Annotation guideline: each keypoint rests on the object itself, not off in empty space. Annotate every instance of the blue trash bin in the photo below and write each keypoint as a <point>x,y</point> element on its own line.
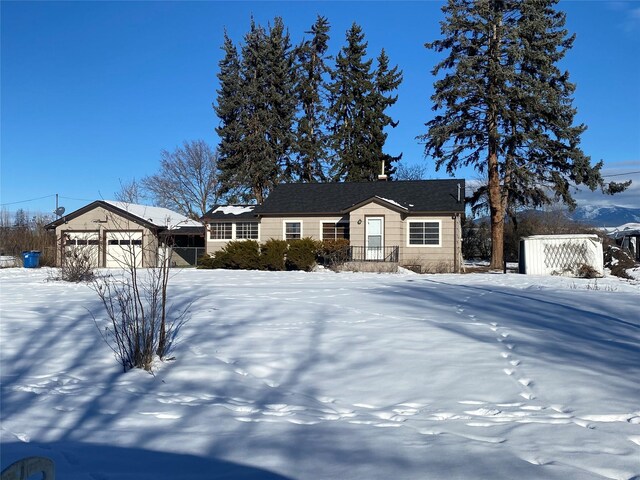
<point>31,259</point>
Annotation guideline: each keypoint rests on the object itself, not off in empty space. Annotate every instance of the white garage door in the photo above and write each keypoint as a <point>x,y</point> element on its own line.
<point>124,249</point>
<point>84,244</point>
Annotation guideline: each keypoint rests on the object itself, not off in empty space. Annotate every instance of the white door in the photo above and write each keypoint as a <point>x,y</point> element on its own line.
<point>85,244</point>
<point>374,241</point>
<point>124,249</point>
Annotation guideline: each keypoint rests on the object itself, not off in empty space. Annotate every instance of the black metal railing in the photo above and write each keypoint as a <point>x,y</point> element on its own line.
<point>373,254</point>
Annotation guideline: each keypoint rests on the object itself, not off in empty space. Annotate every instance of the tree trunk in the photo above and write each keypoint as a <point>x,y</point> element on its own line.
<point>496,206</point>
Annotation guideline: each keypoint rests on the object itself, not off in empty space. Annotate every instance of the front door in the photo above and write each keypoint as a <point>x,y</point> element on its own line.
<point>374,238</point>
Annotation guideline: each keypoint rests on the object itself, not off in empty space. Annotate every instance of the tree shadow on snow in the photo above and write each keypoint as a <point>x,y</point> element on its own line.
<point>558,327</point>
<point>85,460</point>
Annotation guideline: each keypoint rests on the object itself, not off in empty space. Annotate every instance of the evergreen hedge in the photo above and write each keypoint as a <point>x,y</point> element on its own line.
<point>274,255</point>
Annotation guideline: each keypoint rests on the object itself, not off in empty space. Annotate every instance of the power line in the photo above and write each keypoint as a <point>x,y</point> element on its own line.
<point>621,174</point>
<point>26,201</point>
<point>78,199</point>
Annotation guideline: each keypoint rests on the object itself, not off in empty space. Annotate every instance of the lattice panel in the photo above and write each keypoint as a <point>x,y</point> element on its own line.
<point>565,256</point>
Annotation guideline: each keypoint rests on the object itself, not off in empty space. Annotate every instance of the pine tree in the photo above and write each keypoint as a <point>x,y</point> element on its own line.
<point>386,81</point>
<point>256,105</point>
<point>350,95</point>
<point>281,101</point>
<point>507,108</point>
<point>359,97</point>
<point>311,92</point>
<point>229,108</point>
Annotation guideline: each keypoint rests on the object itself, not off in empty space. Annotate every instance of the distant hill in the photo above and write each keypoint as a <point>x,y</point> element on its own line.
<point>605,216</point>
<point>597,216</point>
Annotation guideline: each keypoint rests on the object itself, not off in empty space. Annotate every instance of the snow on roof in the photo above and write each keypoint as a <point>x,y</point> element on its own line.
<point>158,216</point>
<point>623,230</point>
<point>392,202</point>
<point>234,209</point>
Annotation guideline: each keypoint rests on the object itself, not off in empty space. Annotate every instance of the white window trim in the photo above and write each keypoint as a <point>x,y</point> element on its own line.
<point>293,220</point>
<point>220,240</point>
<point>423,220</point>
<point>234,235</point>
<point>233,232</point>
<point>332,222</point>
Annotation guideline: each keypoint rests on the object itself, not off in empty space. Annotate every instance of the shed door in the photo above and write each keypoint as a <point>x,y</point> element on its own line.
<point>86,244</point>
<point>374,238</point>
<point>124,249</point>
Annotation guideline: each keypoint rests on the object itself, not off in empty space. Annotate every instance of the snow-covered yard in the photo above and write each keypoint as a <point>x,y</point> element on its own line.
<point>332,376</point>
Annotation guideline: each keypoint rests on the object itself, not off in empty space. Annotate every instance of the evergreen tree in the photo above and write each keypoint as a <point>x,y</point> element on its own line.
<point>311,92</point>
<point>281,100</point>
<point>229,108</point>
<point>359,97</point>
<point>256,105</point>
<point>507,108</point>
<point>386,81</point>
<point>350,97</point>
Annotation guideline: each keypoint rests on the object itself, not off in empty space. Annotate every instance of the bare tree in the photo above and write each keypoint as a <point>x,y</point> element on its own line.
<point>188,179</point>
<point>410,172</point>
<point>130,192</point>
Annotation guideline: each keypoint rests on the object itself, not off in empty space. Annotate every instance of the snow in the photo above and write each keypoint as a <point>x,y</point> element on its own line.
<point>392,202</point>
<point>292,375</point>
<point>234,209</point>
<point>158,216</point>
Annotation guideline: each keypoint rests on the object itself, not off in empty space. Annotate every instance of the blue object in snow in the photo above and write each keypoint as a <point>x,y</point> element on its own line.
<point>31,259</point>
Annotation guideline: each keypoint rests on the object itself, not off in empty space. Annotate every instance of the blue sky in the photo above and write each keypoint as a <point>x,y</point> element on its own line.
<point>91,92</point>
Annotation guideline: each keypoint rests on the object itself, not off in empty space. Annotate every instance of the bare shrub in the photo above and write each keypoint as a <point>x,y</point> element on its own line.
<point>587,271</point>
<point>618,260</point>
<point>139,325</point>
<point>76,266</point>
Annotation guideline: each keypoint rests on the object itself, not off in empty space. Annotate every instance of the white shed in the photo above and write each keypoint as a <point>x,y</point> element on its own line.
<point>560,254</point>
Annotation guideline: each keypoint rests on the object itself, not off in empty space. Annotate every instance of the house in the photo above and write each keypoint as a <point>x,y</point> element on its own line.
<point>410,223</point>
<point>114,234</point>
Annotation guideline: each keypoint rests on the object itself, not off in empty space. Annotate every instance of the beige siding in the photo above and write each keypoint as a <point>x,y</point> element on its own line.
<point>392,224</point>
<point>432,258</point>
<point>101,221</point>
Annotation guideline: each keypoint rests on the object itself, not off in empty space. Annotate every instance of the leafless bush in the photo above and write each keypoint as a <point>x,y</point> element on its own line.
<point>139,324</point>
<point>138,327</point>
<point>438,267</point>
<point>76,265</point>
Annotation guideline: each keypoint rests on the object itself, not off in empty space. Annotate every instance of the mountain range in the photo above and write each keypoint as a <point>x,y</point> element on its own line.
<point>605,216</point>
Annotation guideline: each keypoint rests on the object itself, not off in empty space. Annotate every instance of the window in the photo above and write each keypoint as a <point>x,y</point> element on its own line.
<point>424,233</point>
<point>292,230</point>
<point>335,231</point>
<point>221,231</point>
<point>247,230</point>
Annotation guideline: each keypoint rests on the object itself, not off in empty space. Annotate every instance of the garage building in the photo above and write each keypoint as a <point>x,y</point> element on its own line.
<point>118,234</point>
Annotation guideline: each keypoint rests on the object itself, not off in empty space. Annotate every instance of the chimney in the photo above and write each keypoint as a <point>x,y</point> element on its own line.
<point>382,177</point>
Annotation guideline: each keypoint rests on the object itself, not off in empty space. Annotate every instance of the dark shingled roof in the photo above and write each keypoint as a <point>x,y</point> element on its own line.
<point>316,198</point>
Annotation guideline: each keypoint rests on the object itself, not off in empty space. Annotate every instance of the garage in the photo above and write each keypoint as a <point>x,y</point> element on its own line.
<point>124,249</point>
<point>121,235</point>
<point>83,243</point>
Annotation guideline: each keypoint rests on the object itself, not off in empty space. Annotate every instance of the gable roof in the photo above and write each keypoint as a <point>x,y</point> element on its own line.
<point>151,217</point>
<point>411,196</point>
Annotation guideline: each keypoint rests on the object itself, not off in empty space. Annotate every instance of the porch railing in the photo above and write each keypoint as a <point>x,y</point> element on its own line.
<point>374,254</point>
